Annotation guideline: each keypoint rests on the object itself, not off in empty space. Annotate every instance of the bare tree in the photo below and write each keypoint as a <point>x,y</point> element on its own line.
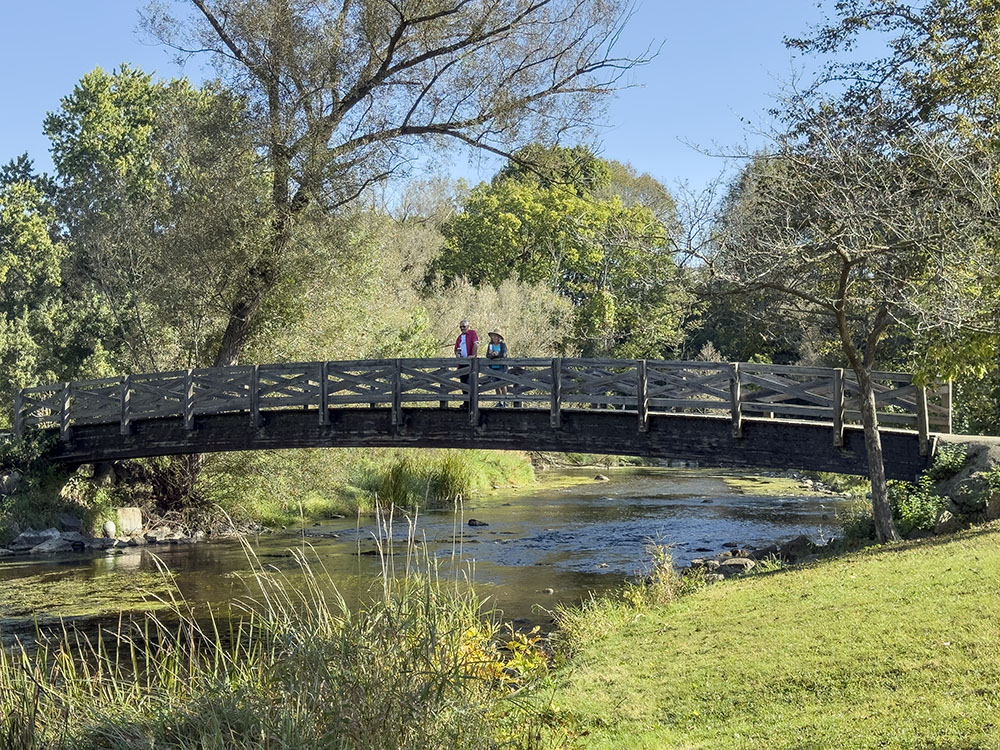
<point>874,235</point>
<point>345,92</point>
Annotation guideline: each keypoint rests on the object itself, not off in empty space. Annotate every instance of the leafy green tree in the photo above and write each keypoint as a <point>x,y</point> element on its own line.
<point>47,332</point>
<point>545,224</point>
<point>940,72</point>
<point>344,94</point>
<point>158,189</point>
<point>876,236</point>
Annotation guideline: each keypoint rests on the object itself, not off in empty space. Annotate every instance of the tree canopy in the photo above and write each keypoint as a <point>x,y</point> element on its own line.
<point>547,224</point>
<point>341,94</point>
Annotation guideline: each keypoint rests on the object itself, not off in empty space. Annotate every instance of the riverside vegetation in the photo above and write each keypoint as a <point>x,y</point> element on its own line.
<point>784,657</point>
<point>888,647</point>
<point>419,665</point>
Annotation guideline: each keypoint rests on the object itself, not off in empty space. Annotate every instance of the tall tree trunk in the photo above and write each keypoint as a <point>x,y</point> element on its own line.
<point>242,318</point>
<point>882,513</point>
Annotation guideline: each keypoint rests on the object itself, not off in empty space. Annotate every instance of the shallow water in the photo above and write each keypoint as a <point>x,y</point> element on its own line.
<point>540,548</point>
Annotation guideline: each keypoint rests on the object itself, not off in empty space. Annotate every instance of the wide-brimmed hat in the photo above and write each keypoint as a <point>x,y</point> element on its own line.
<point>496,332</point>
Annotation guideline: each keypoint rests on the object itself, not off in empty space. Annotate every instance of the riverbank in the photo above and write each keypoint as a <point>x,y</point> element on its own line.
<point>890,647</point>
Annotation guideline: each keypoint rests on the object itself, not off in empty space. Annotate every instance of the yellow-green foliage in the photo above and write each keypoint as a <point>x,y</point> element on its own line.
<point>894,647</point>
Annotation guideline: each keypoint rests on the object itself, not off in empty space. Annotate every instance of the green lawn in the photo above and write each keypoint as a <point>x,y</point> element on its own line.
<point>889,648</point>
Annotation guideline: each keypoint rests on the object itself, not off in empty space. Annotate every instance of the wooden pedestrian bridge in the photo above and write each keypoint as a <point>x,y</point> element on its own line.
<point>714,413</point>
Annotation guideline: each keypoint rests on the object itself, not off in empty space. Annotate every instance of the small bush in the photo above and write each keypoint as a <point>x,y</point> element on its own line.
<point>948,461</point>
<point>434,479</point>
<point>845,484</point>
<point>915,507</point>
<point>450,478</point>
<point>857,523</point>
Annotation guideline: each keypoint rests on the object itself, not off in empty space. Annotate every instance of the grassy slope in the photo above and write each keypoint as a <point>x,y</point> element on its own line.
<point>888,648</point>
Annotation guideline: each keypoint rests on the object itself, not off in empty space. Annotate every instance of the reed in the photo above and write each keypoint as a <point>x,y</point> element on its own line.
<point>417,665</point>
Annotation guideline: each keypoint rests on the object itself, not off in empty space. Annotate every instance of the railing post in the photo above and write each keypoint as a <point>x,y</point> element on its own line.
<point>19,413</point>
<point>555,413</point>
<point>735,406</point>
<point>64,428</point>
<point>189,400</point>
<point>923,426</point>
<point>947,406</point>
<point>324,395</point>
<point>474,392</point>
<point>397,393</point>
<point>838,407</point>
<point>126,405</point>
<point>255,397</point>
<point>641,398</point>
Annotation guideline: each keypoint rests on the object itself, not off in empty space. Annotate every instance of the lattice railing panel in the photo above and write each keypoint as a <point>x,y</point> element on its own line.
<point>91,401</point>
<point>157,395</point>
<point>41,405</point>
<point>218,390</point>
<point>702,387</point>
<point>527,381</point>
<point>282,386</point>
<point>599,383</point>
<point>434,380</point>
<point>359,382</point>
<point>785,391</point>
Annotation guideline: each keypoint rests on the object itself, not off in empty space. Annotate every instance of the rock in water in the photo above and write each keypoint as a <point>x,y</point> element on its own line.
<point>474,522</point>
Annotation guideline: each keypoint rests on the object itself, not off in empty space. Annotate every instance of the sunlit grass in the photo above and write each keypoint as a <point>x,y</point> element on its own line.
<point>889,648</point>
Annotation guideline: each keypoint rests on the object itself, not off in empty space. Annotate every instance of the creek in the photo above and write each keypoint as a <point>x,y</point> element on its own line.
<point>540,547</point>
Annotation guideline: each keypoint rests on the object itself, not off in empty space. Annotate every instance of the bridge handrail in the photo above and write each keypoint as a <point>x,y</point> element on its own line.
<point>645,387</point>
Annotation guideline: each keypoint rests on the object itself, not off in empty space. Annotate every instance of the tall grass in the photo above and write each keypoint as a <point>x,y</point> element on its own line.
<point>434,479</point>
<point>594,619</point>
<point>417,666</point>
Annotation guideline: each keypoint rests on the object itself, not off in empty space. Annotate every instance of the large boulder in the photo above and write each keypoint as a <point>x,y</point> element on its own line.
<point>797,549</point>
<point>69,522</point>
<point>129,521</point>
<point>53,545</point>
<point>29,539</point>
<point>969,490</point>
<point>947,523</point>
<point>735,565</point>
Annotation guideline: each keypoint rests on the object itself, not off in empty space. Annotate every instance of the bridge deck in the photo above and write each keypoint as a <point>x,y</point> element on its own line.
<point>722,413</point>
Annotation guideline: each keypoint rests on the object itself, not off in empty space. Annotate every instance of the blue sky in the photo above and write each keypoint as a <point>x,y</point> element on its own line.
<point>721,64</point>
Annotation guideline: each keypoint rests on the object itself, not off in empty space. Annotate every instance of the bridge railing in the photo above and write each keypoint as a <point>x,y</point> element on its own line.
<point>645,387</point>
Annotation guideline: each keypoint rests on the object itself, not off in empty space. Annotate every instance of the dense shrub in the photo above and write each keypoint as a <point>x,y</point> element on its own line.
<point>915,507</point>
<point>948,461</point>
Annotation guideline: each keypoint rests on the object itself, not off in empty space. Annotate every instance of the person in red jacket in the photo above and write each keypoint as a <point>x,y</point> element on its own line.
<point>467,343</point>
<point>466,347</point>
